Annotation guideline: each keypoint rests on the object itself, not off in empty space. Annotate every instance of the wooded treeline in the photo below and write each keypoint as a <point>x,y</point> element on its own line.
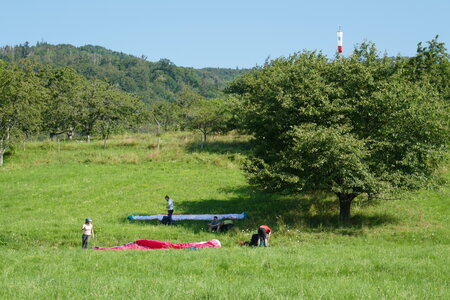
<point>152,81</point>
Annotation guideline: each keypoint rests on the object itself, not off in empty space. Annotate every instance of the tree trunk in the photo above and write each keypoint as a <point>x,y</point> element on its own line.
<point>345,202</point>
<point>159,141</point>
<point>4,142</point>
<point>204,136</point>
<point>104,144</point>
<point>89,139</point>
<point>59,145</point>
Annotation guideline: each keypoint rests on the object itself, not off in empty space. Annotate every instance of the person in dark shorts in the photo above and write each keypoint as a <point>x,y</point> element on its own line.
<point>264,233</point>
<point>254,241</point>
<point>261,238</point>
<point>169,210</point>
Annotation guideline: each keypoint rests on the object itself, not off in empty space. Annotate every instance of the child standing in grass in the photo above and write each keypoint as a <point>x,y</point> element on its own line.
<point>88,231</point>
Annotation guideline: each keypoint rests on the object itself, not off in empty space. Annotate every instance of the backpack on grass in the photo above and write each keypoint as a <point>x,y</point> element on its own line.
<point>165,220</point>
<point>254,240</point>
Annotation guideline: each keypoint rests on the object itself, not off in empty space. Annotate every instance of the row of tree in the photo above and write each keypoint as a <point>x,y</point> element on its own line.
<point>37,99</point>
<point>363,124</point>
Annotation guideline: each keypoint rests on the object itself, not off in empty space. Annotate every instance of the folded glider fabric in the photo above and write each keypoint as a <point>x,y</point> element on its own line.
<point>154,244</point>
<point>190,217</point>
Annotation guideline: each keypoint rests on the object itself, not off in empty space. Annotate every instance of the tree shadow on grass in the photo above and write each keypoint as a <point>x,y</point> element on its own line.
<point>317,212</point>
<point>220,147</point>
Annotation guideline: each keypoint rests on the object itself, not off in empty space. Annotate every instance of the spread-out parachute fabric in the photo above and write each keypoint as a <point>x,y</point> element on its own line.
<point>190,217</point>
<point>154,244</point>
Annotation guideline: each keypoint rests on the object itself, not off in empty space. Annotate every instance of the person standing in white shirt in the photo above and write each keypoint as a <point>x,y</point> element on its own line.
<point>169,210</point>
<point>88,231</point>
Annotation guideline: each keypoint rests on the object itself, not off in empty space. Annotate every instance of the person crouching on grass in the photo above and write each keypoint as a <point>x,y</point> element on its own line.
<point>259,239</point>
<point>264,233</point>
<point>88,231</point>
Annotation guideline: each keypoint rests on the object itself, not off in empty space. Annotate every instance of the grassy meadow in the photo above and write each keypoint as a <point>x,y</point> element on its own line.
<point>393,249</point>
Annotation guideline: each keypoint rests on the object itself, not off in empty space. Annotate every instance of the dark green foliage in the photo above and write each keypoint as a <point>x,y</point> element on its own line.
<point>363,124</point>
<point>153,81</point>
<point>208,116</point>
<point>21,102</point>
<point>65,90</point>
<point>115,110</point>
<point>431,64</point>
<point>166,115</point>
<point>35,99</point>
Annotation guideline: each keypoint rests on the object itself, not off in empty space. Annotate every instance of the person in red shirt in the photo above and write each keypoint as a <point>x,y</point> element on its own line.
<point>264,233</point>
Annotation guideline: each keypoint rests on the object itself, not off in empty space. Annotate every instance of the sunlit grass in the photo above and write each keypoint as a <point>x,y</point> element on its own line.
<point>392,249</point>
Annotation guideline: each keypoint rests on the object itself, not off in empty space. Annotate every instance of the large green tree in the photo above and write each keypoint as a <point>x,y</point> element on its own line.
<point>117,110</point>
<point>167,115</point>
<point>21,99</point>
<point>90,107</point>
<point>62,112</point>
<point>349,126</point>
<point>208,116</point>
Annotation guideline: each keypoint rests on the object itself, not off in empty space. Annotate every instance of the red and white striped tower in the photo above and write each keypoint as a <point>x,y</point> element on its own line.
<point>340,36</point>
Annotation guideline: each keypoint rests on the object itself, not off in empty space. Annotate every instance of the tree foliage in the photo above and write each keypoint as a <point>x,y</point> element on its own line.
<point>65,88</point>
<point>34,99</point>
<point>208,116</point>
<point>152,81</point>
<point>167,115</point>
<point>21,102</point>
<point>117,110</point>
<point>348,126</point>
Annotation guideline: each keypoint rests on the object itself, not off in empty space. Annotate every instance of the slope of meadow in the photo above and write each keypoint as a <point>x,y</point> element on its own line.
<point>392,249</point>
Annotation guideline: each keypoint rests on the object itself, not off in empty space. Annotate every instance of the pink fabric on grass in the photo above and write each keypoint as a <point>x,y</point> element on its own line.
<point>154,244</point>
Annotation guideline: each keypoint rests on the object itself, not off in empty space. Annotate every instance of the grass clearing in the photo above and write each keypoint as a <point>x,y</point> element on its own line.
<point>393,249</point>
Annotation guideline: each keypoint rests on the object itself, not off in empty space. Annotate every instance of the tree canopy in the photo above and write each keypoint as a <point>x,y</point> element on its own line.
<point>21,102</point>
<point>362,124</point>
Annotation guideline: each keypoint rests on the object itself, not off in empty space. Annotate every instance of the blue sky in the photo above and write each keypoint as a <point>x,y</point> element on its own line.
<point>226,33</point>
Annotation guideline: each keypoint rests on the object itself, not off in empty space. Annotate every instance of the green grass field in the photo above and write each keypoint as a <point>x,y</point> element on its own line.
<point>397,249</point>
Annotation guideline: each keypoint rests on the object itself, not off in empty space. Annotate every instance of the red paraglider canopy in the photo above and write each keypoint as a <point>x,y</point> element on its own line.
<point>154,244</point>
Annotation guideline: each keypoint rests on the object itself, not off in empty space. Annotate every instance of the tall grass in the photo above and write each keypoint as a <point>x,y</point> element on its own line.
<point>395,249</point>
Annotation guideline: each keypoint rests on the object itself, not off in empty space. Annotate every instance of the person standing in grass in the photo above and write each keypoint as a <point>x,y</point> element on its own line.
<point>169,210</point>
<point>88,231</point>
<point>264,233</point>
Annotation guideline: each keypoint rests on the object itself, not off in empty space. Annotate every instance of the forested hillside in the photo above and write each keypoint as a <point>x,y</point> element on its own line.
<point>153,81</point>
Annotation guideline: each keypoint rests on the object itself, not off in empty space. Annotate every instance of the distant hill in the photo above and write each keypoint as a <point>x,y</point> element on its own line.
<point>153,81</point>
